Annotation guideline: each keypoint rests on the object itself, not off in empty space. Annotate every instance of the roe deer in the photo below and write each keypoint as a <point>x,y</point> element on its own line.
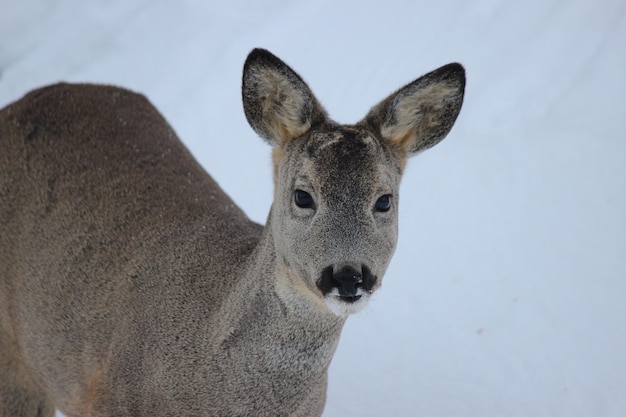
<point>131,285</point>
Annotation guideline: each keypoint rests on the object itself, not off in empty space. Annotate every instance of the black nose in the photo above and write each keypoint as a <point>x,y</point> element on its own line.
<point>347,280</point>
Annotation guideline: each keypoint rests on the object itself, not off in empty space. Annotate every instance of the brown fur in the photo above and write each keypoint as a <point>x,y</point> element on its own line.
<point>130,283</point>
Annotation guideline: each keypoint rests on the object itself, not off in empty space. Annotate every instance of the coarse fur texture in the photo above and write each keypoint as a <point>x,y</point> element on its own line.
<point>130,283</point>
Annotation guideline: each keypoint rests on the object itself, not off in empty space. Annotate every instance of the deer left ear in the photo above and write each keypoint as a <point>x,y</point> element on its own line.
<point>277,102</point>
<point>420,114</point>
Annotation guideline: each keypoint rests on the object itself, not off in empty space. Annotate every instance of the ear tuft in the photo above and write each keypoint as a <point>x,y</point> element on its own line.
<point>277,102</point>
<point>420,114</point>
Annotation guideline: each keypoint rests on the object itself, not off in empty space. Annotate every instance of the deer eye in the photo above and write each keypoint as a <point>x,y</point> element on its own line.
<point>303,199</point>
<point>383,203</point>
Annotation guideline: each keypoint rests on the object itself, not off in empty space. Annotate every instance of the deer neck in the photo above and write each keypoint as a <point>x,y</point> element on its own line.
<point>278,313</point>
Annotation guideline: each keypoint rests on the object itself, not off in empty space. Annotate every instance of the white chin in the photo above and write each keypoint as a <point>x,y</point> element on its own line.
<point>344,308</point>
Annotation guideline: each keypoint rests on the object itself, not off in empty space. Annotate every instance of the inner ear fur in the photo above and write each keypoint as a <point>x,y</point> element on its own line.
<point>277,102</point>
<point>420,114</point>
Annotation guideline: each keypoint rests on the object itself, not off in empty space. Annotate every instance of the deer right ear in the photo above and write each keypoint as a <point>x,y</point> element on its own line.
<point>277,102</point>
<point>420,114</point>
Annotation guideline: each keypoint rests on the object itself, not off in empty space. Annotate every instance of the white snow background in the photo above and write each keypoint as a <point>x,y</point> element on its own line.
<point>507,294</point>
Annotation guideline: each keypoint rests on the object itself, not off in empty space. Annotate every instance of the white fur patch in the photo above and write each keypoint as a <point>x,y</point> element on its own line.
<point>342,308</point>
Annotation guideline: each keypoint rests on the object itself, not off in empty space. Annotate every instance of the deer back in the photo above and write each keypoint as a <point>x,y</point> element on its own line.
<point>112,236</point>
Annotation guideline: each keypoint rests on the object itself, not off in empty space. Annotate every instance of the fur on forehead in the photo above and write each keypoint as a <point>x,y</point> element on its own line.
<point>342,143</point>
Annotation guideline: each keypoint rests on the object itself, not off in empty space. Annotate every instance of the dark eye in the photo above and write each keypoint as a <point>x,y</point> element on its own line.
<point>303,199</point>
<point>383,203</point>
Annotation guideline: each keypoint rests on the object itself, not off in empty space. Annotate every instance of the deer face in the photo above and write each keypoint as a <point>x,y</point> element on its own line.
<point>334,217</point>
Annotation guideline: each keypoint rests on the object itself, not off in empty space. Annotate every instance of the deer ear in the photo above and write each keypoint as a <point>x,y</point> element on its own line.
<point>420,114</point>
<point>277,102</point>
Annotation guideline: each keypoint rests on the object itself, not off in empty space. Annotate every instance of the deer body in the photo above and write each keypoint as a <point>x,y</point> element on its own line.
<point>130,283</point>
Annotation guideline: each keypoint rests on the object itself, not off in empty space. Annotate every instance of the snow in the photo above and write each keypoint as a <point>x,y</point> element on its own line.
<point>507,294</point>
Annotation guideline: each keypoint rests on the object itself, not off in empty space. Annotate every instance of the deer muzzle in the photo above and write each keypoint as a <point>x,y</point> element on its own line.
<point>347,282</point>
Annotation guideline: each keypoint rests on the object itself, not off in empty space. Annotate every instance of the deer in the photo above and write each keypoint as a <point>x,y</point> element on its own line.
<point>132,285</point>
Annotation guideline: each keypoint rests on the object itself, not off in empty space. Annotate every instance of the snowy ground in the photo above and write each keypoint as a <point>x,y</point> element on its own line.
<point>507,295</point>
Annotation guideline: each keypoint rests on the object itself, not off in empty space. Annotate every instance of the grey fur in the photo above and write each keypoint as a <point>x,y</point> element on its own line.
<point>130,283</point>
